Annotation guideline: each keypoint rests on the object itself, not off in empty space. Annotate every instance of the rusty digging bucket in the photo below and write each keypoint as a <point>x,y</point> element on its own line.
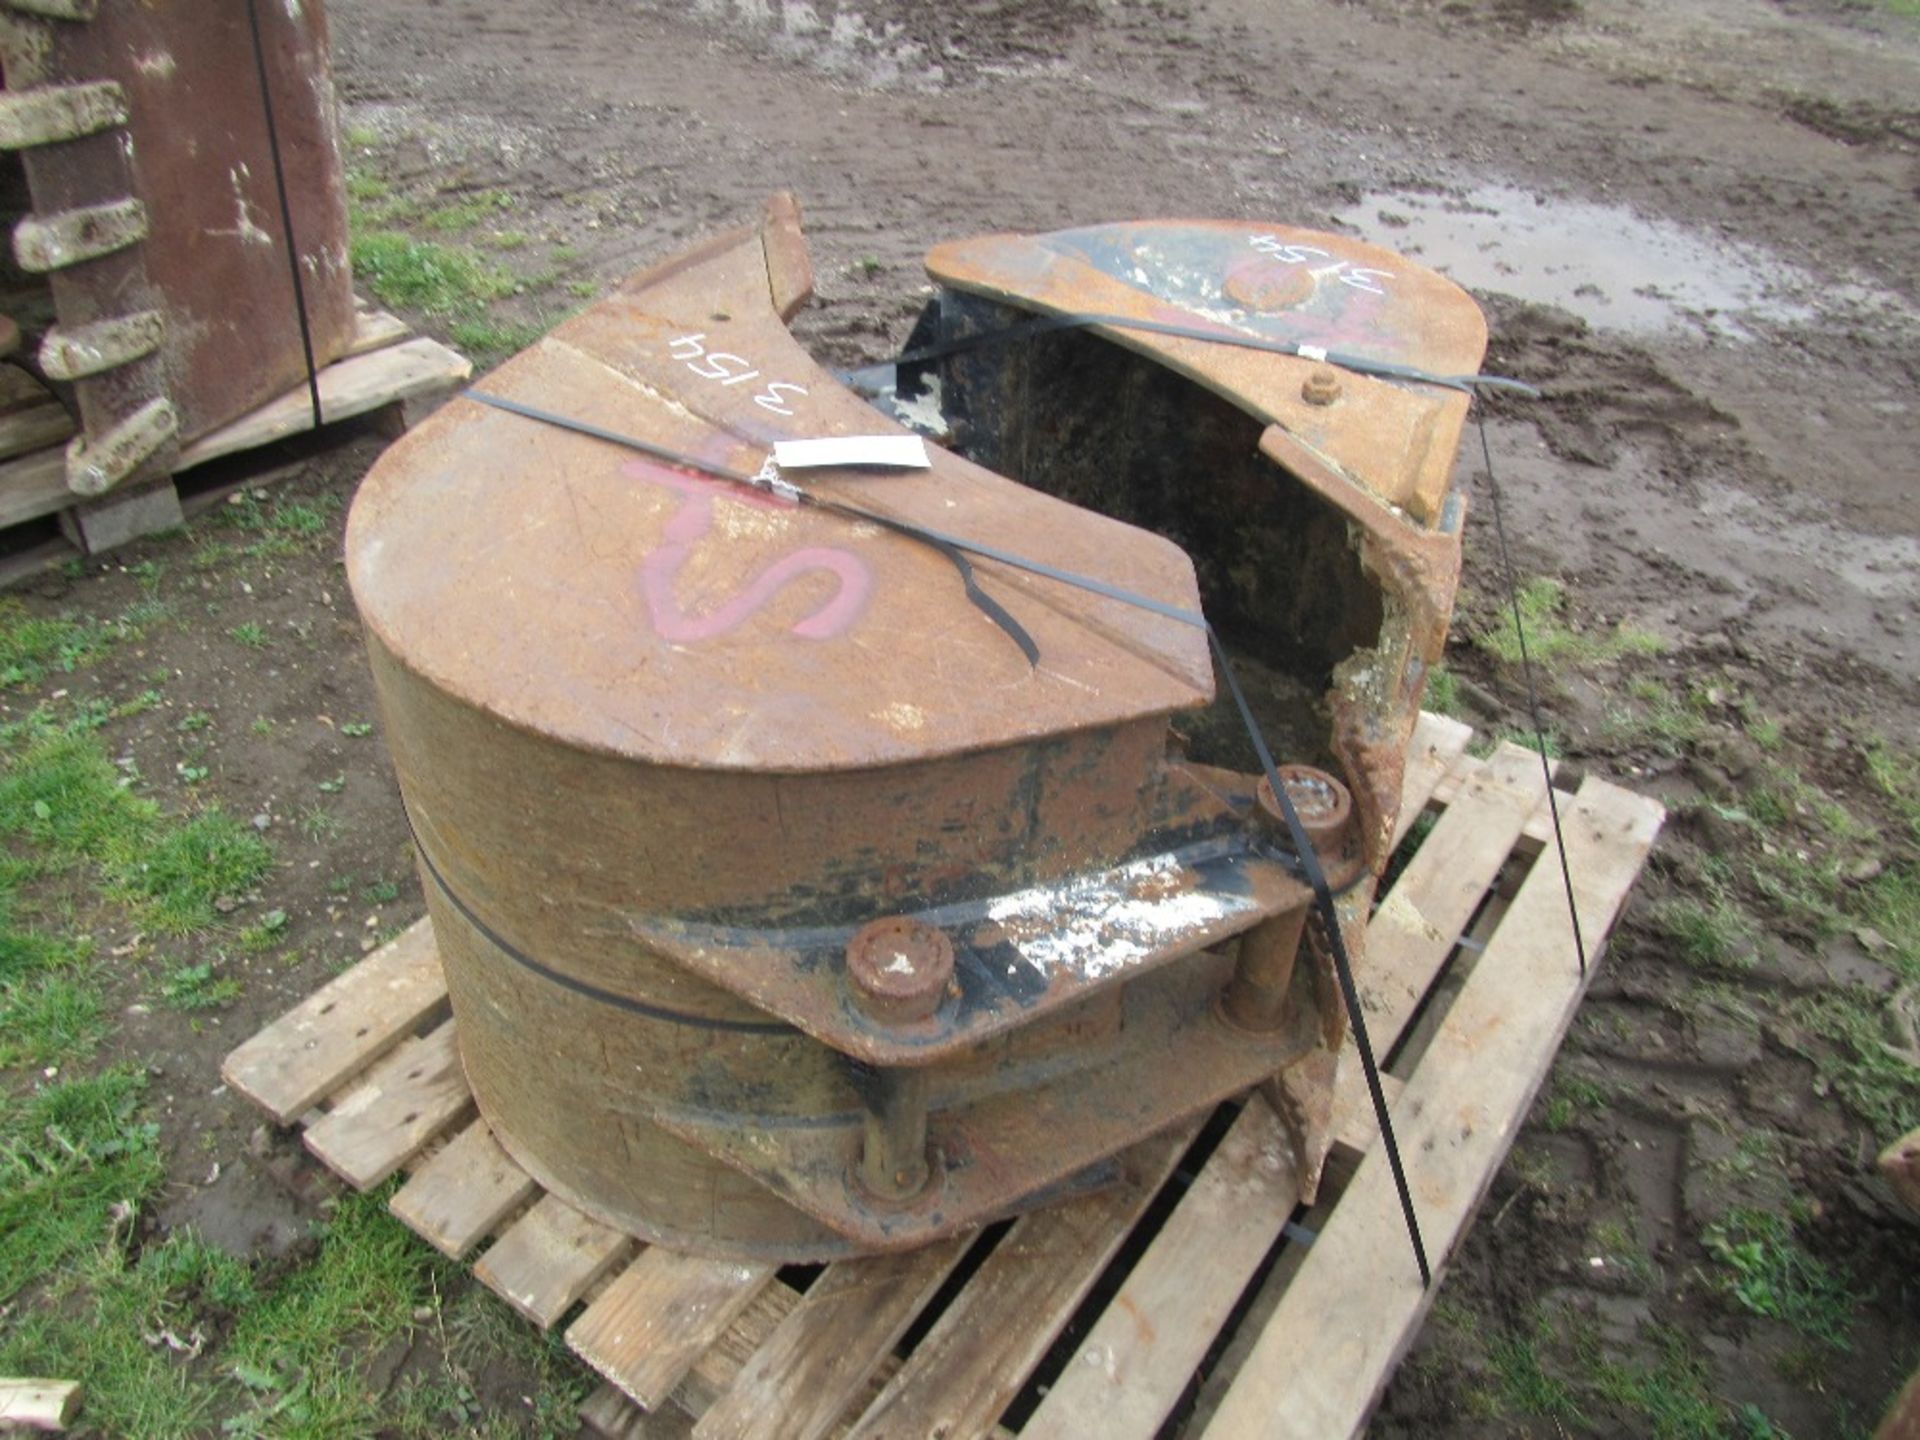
<point>155,219</point>
<point>789,909</point>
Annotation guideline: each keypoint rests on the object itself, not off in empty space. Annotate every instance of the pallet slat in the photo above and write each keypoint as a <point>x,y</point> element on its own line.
<point>336,1032</point>
<point>1437,745</point>
<point>812,1367</point>
<point>1422,917</point>
<point>664,1311</point>
<point>348,387</point>
<point>403,1102</point>
<point>455,1200</point>
<point>980,1351</point>
<point>1356,1301</point>
<point>547,1258</point>
<point>1135,1363</point>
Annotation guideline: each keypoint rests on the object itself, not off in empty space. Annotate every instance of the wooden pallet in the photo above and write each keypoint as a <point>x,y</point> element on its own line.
<point>1187,1280</point>
<point>385,366</point>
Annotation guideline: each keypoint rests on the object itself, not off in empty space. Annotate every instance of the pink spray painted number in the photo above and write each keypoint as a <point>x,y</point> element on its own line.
<point>691,524</point>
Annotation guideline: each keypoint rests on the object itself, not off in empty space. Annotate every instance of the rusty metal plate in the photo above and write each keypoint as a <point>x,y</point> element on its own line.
<point>615,603</point>
<point>206,250</point>
<point>1272,282</point>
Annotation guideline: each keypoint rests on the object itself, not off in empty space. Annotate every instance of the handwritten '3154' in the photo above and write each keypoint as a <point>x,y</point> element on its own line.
<point>726,368</point>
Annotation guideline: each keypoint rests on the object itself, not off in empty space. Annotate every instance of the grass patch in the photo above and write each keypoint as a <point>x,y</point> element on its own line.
<point>1669,1398</point>
<point>1770,1273</point>
<point>1569,1096</point>
<point>1712,934</point>
<point>1551,635</point>
<point>370,1276</point>
<point>65,799</point>
<point>197,987</point>
<point>68,1156</point>
<point>465,214</point>
<point>1880,1087</point>
<point>32,646</point>
<point>489,338</point>
<point>114,1324</point>
<point>426,276</point>
<point>1523,1386</point>
<point>178,878</point>
<point>1443,691</point>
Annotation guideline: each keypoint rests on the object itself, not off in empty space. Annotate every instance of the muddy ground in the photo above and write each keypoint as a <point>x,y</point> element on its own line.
<point>1694,226</point>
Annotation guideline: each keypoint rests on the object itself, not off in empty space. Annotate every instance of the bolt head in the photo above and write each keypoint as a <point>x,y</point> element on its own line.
<point>1322,803</point>
<point>1322,387</point>
<point>899,969</point>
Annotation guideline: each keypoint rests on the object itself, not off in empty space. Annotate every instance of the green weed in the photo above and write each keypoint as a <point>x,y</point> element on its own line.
<point>250,634</point>
<point>425,276</point>
<point>489,339</point>
<point>32,646</point>
<point>1882,1088</point>
<point>1770,1273</point>
<point>1551,635</point>
<point>69,1155</point>
<point>289,1349</point>
<point>1712,934</point>
<point>197,987</point>
<point>465,214</point>
<point>177,879</point>
<point>1443,691</point>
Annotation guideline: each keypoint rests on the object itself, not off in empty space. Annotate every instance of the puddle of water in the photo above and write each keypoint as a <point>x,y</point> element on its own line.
<point>1604,263</point>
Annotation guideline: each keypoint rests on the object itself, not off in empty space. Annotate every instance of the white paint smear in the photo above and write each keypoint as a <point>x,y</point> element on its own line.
<point>1093,926</point>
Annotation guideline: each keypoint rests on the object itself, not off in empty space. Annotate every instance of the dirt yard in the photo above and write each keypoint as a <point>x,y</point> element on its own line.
<point>1694,226</point>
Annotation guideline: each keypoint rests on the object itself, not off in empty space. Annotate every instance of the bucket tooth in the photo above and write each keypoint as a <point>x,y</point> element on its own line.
<point>75,353</point>
<point>53,242</point>
<point>96,465</point>
<point>47,114</point>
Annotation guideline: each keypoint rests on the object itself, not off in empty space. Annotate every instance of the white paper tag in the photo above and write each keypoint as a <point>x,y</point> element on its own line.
<point>894,452</point>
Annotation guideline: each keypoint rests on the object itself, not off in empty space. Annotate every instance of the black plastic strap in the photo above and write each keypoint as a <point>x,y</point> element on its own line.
<point>286,211</point>
<point>1533,695</point>
<point>1043,324</point>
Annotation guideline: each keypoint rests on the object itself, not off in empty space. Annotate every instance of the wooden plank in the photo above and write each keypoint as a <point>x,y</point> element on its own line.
<point>1137,1360</point>
<point>38,1404</point>
<point>715,1371</point>
<point>403,1101</point>
<point>548,1258</point>
<point>1416,926</point>
<point>1357,1301</point>
<point>347,387</point>
<point>980,1351</point>
<point>34,485</point>
<point>337,1031</point>
<point>1437,745</point>
<point>612,1416</point>
<point>814,1365</point>
<point>455,1200</point>
<point>663,1312</point>
<point>373,330</point>
<point>29,427</point>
